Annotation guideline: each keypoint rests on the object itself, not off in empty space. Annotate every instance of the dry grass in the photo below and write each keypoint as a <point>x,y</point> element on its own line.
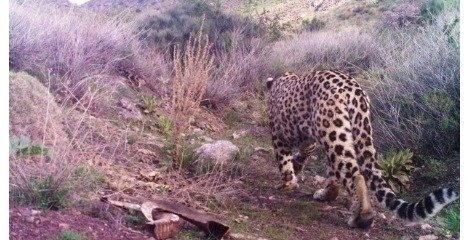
<point>350,50</point>
<point>417,64</point>
<point>71,45</point>
<point>34,115</point>
<point>191,75</point>
<point>238,71</point>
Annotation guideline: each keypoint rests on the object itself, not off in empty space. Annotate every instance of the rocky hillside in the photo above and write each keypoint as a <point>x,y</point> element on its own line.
<point>109,107</point>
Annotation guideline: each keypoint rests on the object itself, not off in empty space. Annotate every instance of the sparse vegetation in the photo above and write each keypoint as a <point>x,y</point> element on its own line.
<point>451,222</point>
<point>149,104</point>
<point>135,218</point>
<point>70,235</point>
<point>434,169</point>
<point>91,179</point>
<point>313,24</point>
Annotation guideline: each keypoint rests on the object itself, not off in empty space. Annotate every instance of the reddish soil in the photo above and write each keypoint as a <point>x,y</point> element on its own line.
<point>26,223</point>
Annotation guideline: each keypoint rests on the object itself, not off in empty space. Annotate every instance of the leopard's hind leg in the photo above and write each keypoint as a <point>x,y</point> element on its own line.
<point>339,146</point>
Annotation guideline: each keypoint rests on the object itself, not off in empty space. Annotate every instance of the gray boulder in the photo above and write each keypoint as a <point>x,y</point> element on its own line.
<point>217,153</point>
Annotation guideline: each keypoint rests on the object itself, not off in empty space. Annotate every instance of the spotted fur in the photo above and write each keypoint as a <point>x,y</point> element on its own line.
<point>330,109</point>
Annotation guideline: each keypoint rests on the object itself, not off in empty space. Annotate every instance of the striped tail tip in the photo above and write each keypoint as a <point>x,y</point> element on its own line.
<point>426,208</point>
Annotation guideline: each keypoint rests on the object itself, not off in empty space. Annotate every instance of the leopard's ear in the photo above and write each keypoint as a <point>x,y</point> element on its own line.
<point>269,82</point>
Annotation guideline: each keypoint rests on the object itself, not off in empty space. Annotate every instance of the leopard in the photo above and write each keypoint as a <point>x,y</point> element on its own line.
<point>329,109</point>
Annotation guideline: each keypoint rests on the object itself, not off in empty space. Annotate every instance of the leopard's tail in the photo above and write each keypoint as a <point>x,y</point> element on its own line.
<point>418,211</point>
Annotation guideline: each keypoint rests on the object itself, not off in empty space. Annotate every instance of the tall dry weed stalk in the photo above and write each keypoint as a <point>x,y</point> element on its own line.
<point>192,69</point>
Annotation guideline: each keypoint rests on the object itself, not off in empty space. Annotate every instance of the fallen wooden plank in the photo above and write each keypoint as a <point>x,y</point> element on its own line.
<point>211,224</point>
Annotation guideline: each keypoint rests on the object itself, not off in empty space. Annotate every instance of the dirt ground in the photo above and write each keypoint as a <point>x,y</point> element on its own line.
<point>258,211</point>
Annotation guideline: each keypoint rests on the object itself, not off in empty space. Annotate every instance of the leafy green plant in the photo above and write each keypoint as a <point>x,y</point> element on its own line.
<point>70,235</point>
<point>34,150</point>
<point>22,146</point>
<point>149,104</point>
<point>397,168</point>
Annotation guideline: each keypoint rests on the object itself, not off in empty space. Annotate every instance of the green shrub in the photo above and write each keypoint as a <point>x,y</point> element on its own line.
<point>231,118</point>
<point>70,235</point>
<point>430,9</point>
<point>175,26</point>
<point>164,124</point>
<point>397,168</point>
<point>442,124</point>
<point>313,24</point>
<point>45,193</point>
<point>434,169</point>
<point>34,150</point>
<point>450,222</point>
<point>274,28</point>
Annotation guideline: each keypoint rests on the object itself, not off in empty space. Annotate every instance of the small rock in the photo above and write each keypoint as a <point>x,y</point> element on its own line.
<point>271,198</point>
<point>262,149</point>
<point>64,226</point>
<point>382,216</point>
<point>334,238</point>
<point>35,212</point>
<point>126,104</point>
<point>428,237</point>
<point>129,109</point>
<point>319,179</point>
<point>237,135</point>
<point>300,229</point>
<point>198,131</point>
<point>327,208</point>
<point>207,139</point>
<point>426,227</point>
<point>30,219</point>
